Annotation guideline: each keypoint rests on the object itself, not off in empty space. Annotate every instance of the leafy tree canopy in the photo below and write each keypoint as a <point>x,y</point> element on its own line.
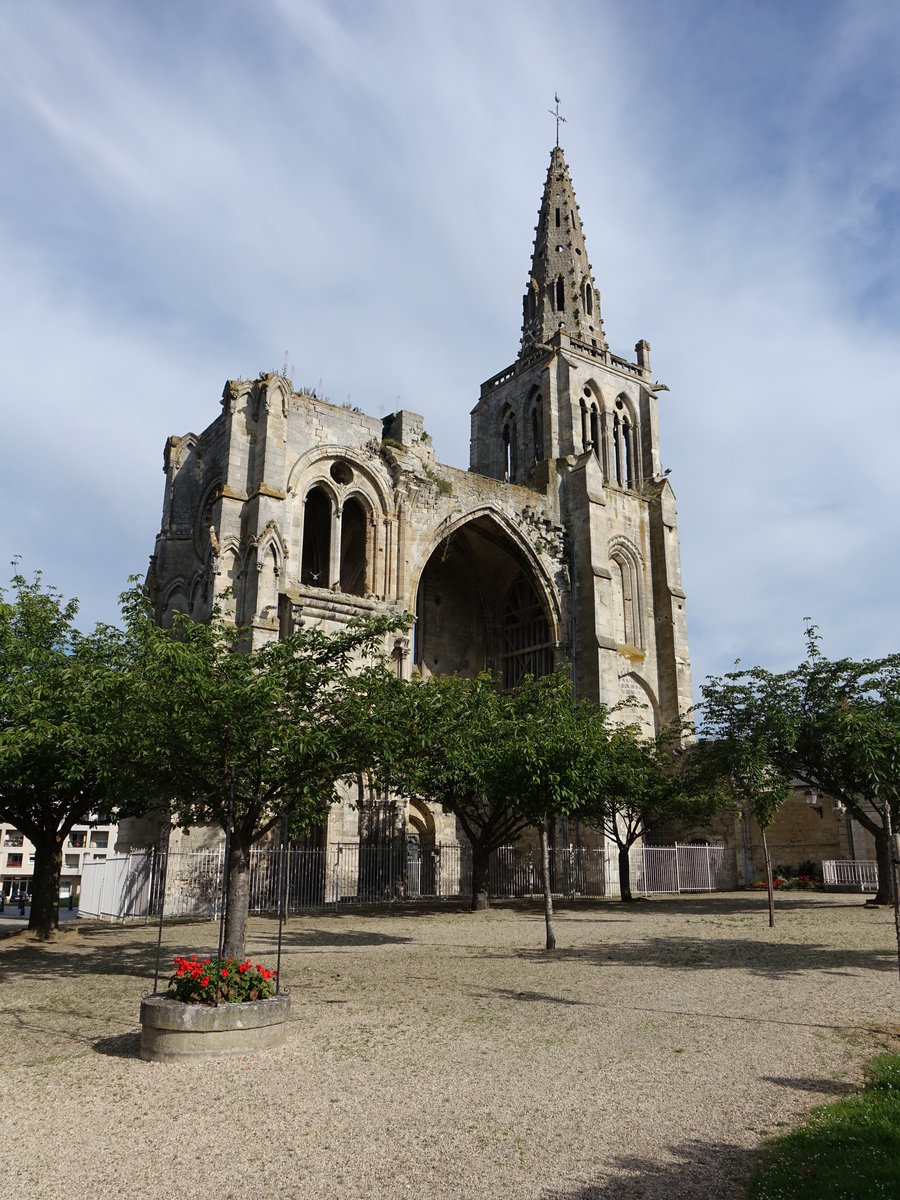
<point>246,738</point>
<point>63,726</point>
<point>830,724</point>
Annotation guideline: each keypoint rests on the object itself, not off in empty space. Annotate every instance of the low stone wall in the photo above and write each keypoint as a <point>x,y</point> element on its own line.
<point>172,1031</point>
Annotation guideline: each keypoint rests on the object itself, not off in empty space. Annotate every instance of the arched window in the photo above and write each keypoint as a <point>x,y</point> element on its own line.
<point>233,582</point>
<point>527,648</point>
<point>353,548</point>
<point>595,430</point>
<point>267,584</point>
<point>560,295</point>
<point>589,300</point>
<point>626,443</point>
<point>537,429</point>
<point>316,539</point>
<point>510,449</point>
<point>626,440</point>
<point>627,607</point>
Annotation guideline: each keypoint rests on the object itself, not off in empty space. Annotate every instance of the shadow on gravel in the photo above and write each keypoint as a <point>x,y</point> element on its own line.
<point>121,1045</point>
<point>539,997</point>
<point>773,960</point>
<point>305,939</point>
<point>736,904</point>
<point>704,1171</point>
<point>821,1087</point>
<point>122,959</point>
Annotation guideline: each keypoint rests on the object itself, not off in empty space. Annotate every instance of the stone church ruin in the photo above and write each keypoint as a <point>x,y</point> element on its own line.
<point>558,545</point>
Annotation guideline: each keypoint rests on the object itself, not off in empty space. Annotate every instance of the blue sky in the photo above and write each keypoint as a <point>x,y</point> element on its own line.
<point>193,192</point>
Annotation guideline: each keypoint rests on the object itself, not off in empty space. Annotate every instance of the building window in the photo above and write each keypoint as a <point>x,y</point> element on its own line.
<point>13,838</point>
<point>589,300</point>
<point>537,429</point>
<point>73,861</point>
<point>353,548</point>
<point>510,450</point>
<point>99,840</point>
<point>560,295</point>
<point>316,539</point>
<point>627,597</point>
<point>77,840</point>
<point>13,860</point>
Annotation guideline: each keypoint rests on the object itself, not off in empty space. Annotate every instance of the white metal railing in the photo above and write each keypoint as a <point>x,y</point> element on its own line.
<point>858,873</point>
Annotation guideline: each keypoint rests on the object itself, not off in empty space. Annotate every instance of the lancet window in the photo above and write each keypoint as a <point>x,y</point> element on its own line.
<point>537,429</point>
<point>627,600</point>
<point>315,563</point>
<point>353,548</point>
<point>510,448</point>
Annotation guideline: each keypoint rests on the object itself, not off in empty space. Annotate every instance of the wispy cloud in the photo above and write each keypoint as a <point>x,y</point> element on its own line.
<point>190,193</point>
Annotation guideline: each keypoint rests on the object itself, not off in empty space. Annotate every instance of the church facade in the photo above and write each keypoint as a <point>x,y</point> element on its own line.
<point>558,546</point>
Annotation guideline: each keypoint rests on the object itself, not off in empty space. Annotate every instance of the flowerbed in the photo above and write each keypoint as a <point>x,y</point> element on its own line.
<point>791,883</point>
<point>215,980</point>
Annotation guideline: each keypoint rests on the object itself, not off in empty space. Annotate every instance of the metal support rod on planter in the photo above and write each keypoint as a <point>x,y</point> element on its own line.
<point>282,882</point>
<point>226,864</point>
<point>162,906</point>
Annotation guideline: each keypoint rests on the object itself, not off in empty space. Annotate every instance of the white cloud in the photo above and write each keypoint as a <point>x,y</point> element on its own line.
<point>191,192</point>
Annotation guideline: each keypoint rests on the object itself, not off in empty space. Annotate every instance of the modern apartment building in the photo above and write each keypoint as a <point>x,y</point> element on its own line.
<point>86,843</point>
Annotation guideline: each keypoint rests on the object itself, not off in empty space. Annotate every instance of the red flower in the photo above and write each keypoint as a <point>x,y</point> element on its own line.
<point>224,973</point>
<point>204,981</point>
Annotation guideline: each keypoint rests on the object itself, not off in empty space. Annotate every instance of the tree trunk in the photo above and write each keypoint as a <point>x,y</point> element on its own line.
<point>548,891</point>
<point>895,890</point>
<point>237,897</point>
<point>480,884</point>
<point>44,918</point>
<point>625,874</point>
<point>770,887</point>
<point>885,894</point>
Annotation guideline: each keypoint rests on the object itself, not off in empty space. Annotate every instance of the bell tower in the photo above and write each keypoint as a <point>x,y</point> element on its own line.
<point>579,424</point>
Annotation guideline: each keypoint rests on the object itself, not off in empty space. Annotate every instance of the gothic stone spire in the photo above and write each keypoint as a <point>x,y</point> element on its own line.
<point>561,293</point>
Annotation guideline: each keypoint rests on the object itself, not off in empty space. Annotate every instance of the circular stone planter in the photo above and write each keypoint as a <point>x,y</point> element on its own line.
<point>172,1031</point>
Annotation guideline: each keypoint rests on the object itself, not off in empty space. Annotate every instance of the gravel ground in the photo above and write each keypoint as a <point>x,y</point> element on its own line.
<point>443,1054</point>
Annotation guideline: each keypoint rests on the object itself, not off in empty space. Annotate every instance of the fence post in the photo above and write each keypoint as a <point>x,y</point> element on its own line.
<point>708,871</point>
<point>337,868</point>
<point>677,875</point>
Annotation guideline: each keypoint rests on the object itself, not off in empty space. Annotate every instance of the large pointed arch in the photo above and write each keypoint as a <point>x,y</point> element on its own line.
<point>483,603</point>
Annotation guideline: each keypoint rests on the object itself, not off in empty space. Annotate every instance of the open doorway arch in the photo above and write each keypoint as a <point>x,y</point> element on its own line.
<point>481,607</point>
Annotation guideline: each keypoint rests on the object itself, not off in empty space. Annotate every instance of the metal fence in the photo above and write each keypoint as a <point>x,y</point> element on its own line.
<point>656,870</point>
<point>346,873</point>
<point>861,875</point>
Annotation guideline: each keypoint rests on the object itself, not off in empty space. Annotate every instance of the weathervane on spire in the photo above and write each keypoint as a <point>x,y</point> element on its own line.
<point>554,112</point>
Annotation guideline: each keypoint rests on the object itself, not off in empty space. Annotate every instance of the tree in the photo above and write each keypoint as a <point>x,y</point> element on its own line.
<point>247,738</point>
<point>543,763</point>
<point>831,725</point>
<point>759,787</point>
<point>449,742</point>
<point>62,727</point>
<point>634,784</point>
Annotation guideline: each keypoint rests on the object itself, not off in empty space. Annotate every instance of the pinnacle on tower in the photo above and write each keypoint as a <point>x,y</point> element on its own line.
<point>561,292</point>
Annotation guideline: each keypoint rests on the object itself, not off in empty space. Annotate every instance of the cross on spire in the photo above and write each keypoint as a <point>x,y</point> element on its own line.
<point>554,112</point>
